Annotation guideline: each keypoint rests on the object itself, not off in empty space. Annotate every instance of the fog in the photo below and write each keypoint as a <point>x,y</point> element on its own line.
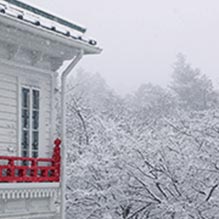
<point>141,38</point>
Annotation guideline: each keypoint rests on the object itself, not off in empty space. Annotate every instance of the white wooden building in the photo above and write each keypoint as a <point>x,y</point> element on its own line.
<point>33,46</point>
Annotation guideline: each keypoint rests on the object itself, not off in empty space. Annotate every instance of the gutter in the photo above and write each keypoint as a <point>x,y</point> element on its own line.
<point>64,76</point>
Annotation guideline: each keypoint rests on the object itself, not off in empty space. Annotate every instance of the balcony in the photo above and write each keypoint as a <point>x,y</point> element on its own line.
<point>30,187</point>
<point>24,169</point>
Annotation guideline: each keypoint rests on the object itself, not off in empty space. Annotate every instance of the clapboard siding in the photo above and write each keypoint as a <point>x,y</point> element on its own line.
<point>8,101</point>
<point>7,139</point>
<point>8,124</point>
<point>8,112</point>
<point>8,131</point>
<point>8,93</point>
<point>10,127</point>
<point>6,85</point>
<point>6,146</point>
<point>5,116</point>
<point>8,78</point>
<point>8,109</point>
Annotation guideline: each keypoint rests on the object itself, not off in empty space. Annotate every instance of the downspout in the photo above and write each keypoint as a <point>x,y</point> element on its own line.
<point>64,75</point>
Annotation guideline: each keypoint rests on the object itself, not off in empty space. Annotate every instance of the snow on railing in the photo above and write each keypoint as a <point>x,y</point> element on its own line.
<point>25,169</point>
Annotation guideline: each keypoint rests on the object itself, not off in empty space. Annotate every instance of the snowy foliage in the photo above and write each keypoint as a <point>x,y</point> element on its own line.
<point>194,90</point>
<point>153,154</point>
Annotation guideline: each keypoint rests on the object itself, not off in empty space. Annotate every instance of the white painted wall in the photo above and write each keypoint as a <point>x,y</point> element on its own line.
<point>12,78</point>
<point>8,113</point>
<point>29,201</point>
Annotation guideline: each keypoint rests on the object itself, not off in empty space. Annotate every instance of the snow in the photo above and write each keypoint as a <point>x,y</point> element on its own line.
<point>148,155</point>
<point>46,23</point>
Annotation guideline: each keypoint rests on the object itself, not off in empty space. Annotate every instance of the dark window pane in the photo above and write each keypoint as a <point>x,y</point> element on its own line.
<point>25,163</point>
<point>35,142</point>
<point>36,99</point>
<point>25,118</point>
<point>25,153</point>
<point>25,97</point>
<point>25,139</point>
<point>35,120</point>
<point>34,154</point>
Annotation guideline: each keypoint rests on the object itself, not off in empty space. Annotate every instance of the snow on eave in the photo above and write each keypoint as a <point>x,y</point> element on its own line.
<point>35,10</point>
<point>48,25</point>
<point>78,44</point>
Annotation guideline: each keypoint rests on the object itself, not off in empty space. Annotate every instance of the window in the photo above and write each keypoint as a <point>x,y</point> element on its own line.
<point>30,122</point>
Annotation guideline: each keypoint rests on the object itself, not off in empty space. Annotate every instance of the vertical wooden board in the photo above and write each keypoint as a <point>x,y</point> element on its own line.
<point>45,112</point>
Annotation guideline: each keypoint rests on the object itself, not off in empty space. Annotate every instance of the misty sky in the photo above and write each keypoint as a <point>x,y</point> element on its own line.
<point>141,38</point>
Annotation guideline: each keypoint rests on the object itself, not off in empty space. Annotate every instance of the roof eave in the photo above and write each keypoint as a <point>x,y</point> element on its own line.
<point>46,15</point>
<point>49,34</point>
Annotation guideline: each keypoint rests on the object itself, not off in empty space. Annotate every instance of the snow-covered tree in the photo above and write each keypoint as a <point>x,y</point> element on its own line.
<point>174,173</point>
<point>194,90</point>
<point>96,147</point>
<point>143,156</point>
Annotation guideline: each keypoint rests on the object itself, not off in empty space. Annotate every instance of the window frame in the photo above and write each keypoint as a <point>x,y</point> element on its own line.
<point>30,147</point>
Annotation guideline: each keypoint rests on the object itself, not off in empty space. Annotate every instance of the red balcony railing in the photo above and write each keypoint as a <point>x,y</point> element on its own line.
<point>24,169</point>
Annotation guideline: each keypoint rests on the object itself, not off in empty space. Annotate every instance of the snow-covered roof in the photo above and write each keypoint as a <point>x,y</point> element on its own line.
<point>39,18</point>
